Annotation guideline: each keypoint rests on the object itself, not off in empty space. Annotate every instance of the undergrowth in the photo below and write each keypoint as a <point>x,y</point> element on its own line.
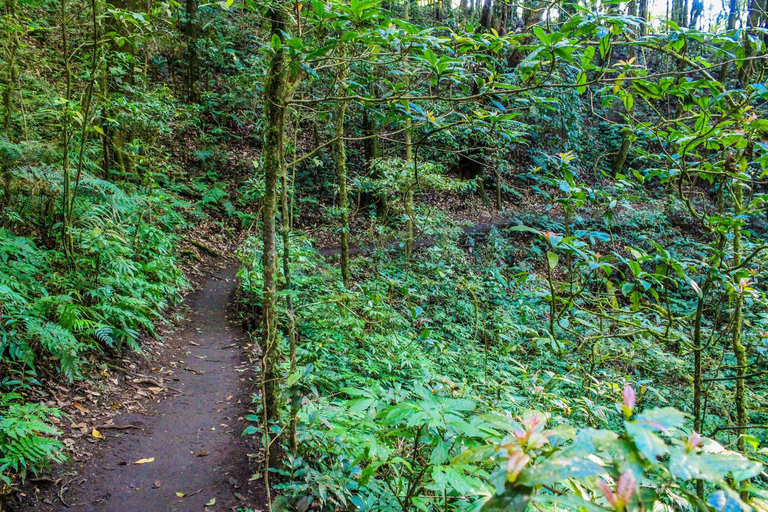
<point>414,383</point>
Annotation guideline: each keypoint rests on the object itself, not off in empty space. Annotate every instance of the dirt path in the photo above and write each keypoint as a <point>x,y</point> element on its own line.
<point>194,437</point>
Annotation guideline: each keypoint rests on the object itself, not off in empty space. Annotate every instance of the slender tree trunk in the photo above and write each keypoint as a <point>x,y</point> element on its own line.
<point>340,156</point>
<point>409,210</point>
<point>697,9</point>
<point>643,13</point>
<point>739,350</point>
<point>372,150</point>
<point>733,14</point>
<point>114,155</point>
<point>11,71</point>
<point>409,223</point>
<point>698,371</point>
<point>621,157</point>
<point>485,14</point>
<point>66,228</point>
<point>276,89</point>
<point>8,91</point>
<point>756,11</point>
<point>191,33</point>
<point>292,338</point>
<point>88,98</point>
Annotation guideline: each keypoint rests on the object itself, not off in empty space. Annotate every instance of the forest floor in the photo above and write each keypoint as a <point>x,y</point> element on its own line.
<point>184,452</point>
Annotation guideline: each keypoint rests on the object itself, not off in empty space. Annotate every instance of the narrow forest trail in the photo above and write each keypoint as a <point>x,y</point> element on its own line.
<point>194,438</point>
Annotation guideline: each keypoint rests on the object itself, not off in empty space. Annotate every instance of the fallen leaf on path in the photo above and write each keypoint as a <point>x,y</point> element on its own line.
<point>202,454</point>
<point>181,494</point>
<point>210,502</point>
<point>98,435</point>
<point>193,343</point>
<point>239,496</point>
<point>80,408</point>
<point>145,461</point>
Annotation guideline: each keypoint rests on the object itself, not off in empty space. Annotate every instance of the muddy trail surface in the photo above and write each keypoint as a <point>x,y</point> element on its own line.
<point>191,443</point>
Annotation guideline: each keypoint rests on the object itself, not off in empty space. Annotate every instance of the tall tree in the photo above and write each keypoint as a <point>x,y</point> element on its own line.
<point>276,91</point>
<point>340,156</point>
<point>191,34</point>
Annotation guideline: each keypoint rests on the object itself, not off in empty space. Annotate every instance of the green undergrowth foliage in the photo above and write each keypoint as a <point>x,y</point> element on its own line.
<point>439,384</point>
<point>124,276</point>
<point>56,313</point>
<point>26,437</point>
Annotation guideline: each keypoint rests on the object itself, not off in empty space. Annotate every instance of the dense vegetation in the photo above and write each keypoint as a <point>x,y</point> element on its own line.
<point>502,255</point>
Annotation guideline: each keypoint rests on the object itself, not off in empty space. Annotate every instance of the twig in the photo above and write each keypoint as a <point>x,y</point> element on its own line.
<point>62,490</point>
<point>737,427</point>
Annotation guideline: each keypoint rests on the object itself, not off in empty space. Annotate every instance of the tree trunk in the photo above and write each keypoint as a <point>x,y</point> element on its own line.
<point>739,350</point>
<point>409,223</point>
<point>532,14</point>
<point>643,13</point>
<point>276,89</point>
<point>114,156</point>
<point>191,33</point>
<point>292,337</point>
<point>621,157</point>
<point>11,73</point>
<point>485,15</point>
<point>697,9</point>
<point>66,227</point>
<point>340,156</point>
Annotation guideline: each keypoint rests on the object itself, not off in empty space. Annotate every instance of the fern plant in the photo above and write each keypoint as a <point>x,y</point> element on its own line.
<point>27,438</point>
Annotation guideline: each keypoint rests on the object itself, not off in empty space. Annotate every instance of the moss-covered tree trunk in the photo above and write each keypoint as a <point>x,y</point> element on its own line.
<point>66,224</point>
<point>409,211</point>
<point>191,33</point>
<point>340,157</point>
<point>11,71</point>
<point>621,156</point>
<point>276,89</point>
<point>739,350</point>
<point>292,337</point>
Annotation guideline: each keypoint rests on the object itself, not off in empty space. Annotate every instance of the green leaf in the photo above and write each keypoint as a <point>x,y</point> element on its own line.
<point>552,259</point>
<point>662,418</point>
<point>543,37</point>
<point>648,444</point>
<point>557,470</point>
<point>276,42</point>
<point>514,501</point>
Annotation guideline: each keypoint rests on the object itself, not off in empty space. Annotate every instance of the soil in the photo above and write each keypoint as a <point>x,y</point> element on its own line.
<point>190,439</point>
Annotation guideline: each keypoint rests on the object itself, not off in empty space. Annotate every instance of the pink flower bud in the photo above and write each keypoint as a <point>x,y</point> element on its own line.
<point>607,492</point>
<point>629,400</point>
<point>693,441</point>
<point>533,422</point>
<point>626,487</point>
<point>515,464</point>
